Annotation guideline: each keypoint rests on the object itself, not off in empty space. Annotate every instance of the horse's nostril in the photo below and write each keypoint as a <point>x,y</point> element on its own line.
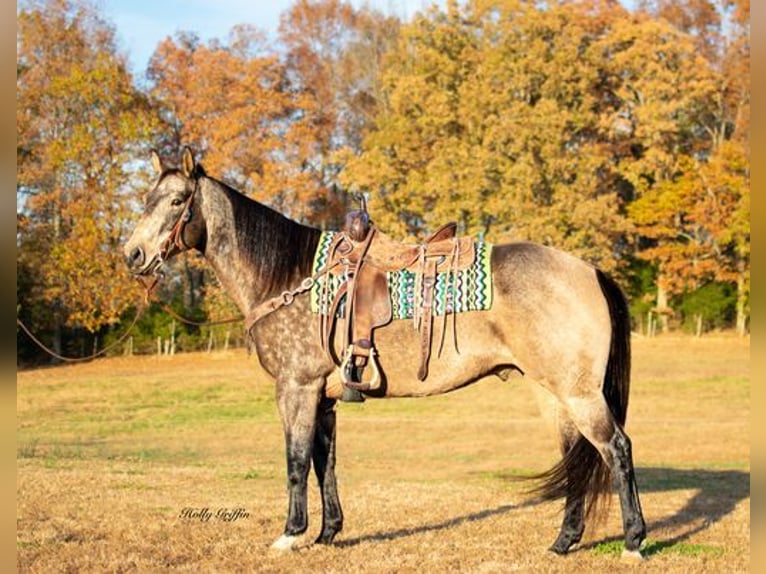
<point>136,257</point>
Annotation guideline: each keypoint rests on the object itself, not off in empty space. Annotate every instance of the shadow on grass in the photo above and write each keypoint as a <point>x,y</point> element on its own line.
<point>717,494</point>
<point>443,525</point>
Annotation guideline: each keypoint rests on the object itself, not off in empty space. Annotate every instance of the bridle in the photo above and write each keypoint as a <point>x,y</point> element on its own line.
<point>175,239</point>
<point>174,243</point>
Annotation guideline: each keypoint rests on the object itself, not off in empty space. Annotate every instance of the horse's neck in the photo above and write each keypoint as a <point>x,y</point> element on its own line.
<point>251,248</point>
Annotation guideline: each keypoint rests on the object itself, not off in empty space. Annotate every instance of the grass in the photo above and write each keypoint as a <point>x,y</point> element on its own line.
<point>651,548</point>
<point>109,453</point>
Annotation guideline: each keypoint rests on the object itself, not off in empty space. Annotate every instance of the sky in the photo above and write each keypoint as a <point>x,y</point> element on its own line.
<point>142,24</point>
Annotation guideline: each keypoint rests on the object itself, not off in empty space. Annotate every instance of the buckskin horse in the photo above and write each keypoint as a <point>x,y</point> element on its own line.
<point>555,319</point>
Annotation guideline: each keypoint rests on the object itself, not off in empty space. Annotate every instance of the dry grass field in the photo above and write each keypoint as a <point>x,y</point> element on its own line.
<point>110,454</point>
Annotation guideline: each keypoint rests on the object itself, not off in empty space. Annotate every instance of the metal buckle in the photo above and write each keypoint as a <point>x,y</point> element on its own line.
<point>307,284</point>
<point>287,297</point>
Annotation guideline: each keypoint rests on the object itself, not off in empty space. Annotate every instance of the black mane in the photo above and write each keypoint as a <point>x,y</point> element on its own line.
<point>281,249</point>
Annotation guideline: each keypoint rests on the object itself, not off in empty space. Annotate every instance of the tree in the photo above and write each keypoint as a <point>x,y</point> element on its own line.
<point>699,19</point>
<point>494,118</point>
<point>335,52</point>
<point>710,226</point>
<point>234,105</point>
<point>79,123</point>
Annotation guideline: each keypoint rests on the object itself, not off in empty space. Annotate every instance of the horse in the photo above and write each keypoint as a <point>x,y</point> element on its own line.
<point>555,319</point>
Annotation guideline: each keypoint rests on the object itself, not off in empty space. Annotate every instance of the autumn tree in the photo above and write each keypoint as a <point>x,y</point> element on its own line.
<point>267,122</point>
<point>80,123</point>
<point>697,215</point>
<point>232,103</point>
<point>496,118</point>
<point>335,52</point>
<point>549,121</point>
<point>698,19</point>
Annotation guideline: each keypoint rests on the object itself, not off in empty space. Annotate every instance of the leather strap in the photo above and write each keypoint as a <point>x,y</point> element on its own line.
<point>283,299</point>
<point>361,347</point>
<point>326,321</point>
<point>429,286</point>
<point>175,239</point>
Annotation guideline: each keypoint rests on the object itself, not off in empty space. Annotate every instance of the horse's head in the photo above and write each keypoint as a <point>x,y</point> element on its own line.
<point>171,221</point>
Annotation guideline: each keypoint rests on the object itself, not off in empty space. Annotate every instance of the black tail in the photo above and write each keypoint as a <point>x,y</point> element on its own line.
<point>582,473</point>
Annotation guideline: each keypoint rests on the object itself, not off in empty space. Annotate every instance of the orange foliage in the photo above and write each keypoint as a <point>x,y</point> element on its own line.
<point>79,123</point>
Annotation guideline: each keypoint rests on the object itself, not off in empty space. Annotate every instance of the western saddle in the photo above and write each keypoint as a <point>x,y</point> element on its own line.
<point>361,257</point>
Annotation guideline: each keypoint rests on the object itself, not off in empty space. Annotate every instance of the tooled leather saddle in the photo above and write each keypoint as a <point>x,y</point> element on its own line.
<point>361,255</point>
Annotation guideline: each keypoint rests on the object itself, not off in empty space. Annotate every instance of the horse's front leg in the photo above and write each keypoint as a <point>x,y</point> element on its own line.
<point>324,467</point>
<point>297,401</point>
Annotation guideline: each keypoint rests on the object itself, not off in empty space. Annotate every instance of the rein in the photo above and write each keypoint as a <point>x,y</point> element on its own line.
<point>175,240</point>
<point>266,308</point>
<point>150,296</point>
<point>54,354</point>
<point>284,299</point>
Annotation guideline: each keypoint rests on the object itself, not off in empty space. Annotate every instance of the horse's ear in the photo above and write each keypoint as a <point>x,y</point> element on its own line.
<point>187,162</point>
<point>156,162</point>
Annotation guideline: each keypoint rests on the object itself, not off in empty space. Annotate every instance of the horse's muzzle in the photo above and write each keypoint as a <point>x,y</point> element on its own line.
<point>137,264</point>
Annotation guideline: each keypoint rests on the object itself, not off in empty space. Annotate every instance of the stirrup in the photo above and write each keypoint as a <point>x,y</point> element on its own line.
<point>346,366</point>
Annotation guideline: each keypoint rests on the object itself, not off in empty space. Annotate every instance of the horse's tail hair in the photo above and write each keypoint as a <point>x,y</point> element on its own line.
<point>582,472</point>
<point>617,378</point>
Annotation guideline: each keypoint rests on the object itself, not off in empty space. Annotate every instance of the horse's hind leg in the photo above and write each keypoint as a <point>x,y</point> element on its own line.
<point>324,467</point>
<point>596,423</point>
<point>566,478</point>
<point>573,523</point>
<point>633,523</point>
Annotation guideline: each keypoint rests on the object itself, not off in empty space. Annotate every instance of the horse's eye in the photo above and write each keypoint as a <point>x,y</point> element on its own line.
<point>176,202</point>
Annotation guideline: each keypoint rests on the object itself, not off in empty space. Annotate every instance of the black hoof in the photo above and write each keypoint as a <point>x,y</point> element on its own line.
<point>562,546</point>
<point>558,550</point>
<point>326,538</point>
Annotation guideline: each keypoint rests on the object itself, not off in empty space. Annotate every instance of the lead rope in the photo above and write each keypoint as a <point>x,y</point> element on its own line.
<point>106,349</point>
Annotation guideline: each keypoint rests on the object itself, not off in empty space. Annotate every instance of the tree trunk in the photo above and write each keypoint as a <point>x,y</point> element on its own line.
<point>741,301</point>
<point>57,337</point>
<point>662,307</point>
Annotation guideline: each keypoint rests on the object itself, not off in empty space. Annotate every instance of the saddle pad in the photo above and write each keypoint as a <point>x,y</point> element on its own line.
<point>466,290</point>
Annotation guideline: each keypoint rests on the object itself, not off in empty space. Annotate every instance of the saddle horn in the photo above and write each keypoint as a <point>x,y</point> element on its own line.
<point>358,222</point>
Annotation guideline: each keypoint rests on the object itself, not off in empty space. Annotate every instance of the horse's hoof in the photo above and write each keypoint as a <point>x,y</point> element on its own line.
<point>558,550</point>
<point>632,556</point>
<point>285,542</point>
